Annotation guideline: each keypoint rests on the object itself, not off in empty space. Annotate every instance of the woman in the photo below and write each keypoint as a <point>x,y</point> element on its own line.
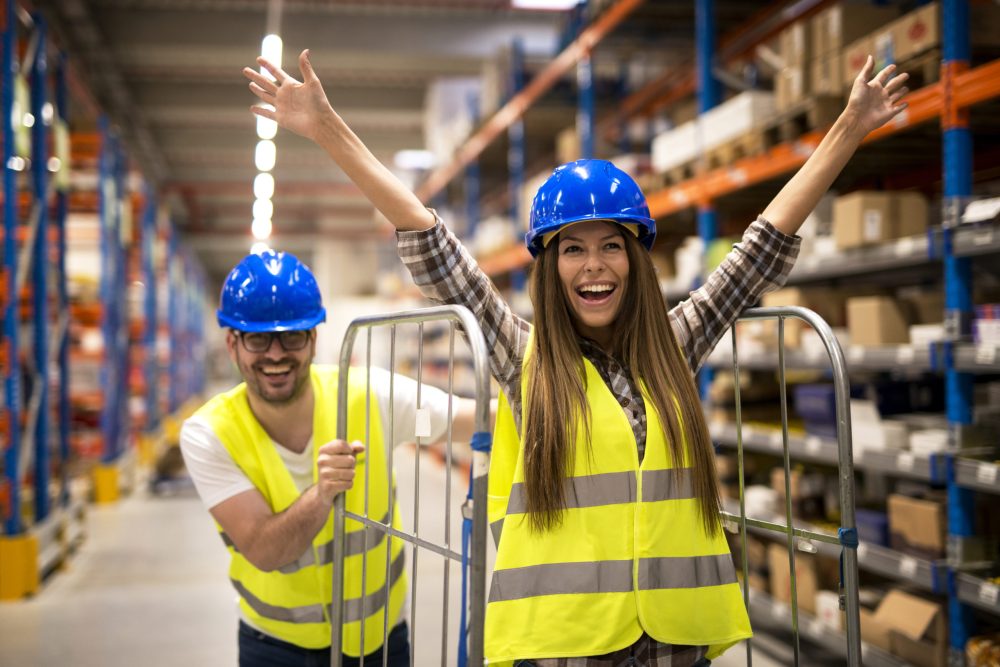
<point>603,493</point>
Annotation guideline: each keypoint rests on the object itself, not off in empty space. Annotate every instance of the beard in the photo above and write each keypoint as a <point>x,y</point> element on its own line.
<point>286,391</point>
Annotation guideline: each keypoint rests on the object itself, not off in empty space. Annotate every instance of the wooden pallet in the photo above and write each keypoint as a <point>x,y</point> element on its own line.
<point>752,143</point>
<point>810,114</point>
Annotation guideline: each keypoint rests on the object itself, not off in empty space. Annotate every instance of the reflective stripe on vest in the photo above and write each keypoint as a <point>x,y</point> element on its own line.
<point>354,608</point>
<point>610,488</point>
<point>290,603</point>
<point>642,561</point>
<point>354,544</point>
<point>611,576</point>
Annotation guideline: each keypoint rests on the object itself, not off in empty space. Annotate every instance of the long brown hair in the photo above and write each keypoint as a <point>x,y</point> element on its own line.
<point>556,395</point>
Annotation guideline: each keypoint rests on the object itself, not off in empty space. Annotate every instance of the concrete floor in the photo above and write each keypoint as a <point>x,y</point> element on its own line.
<point>149,587</point>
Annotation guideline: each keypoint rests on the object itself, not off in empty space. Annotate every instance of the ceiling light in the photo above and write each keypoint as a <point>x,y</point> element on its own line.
<point>263,186</point>
<point>414,159</point>
<point>259,248</point>
<point>270,48</point>
<point>266,128</point>
<point>263,208</point>
<point>265,155</point>
<point>550,5</point>
<point>261,228</point>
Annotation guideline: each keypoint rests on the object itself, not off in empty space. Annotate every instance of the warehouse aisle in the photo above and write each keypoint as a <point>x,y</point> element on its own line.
<point>149,587</point>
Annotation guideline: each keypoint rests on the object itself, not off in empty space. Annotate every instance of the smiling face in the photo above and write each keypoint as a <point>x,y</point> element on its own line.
<point>593,268</point>
<point>276,375</point>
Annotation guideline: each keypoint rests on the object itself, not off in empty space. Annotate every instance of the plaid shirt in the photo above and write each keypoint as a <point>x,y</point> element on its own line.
<point>446,273</point>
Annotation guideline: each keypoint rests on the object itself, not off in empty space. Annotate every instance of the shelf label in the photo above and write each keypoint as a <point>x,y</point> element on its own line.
<point>986,355</point>
<point>905,461</point>
<point>989,593</point>
<point>905,246</point>
<point>855,354</point>
<point>905,354</point>
<point>902,119</point>
<point>780,610</point>
<point>422,425</point>
<point>986,473</point>
<point>908,566</point>
<point>815,627</point>
<point>738,177</point>
<point>814,445</point>
<point>748,433</point>
<point>984,237</point>
<point>862,551</point>
<point>776,441</point>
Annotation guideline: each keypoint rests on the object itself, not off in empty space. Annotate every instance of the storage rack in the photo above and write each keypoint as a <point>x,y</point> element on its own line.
<point>42,502</point>
<point>947,250</point>
<point>41,521</point>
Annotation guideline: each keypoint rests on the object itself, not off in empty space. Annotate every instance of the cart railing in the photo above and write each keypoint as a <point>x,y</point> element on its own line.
<point>847,535</point>
<point>472,553</point>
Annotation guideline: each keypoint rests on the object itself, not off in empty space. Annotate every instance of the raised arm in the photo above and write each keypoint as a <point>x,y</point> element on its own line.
<point>872,103</point>
<point>303,108</point>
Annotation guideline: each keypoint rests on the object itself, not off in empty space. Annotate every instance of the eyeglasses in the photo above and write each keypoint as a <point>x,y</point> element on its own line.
<point>260,341</point>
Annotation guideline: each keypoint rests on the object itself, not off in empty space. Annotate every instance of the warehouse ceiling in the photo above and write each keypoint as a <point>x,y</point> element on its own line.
<point>167,73</point>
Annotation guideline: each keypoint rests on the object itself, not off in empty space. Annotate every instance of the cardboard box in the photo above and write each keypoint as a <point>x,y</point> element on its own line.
<point>789,87</point>
<point>917,525</point>
<point>794,44</point>
<point>916,32</point>
<point>829,303</point>
<point>869,217</point>
<point>862,218</point>
<point>854,59</point>
<point>845,22</point>
<point>911,214</point>
<point>806,577</point>
<point>736,117</point>
<point>876,320</point>
<point>924,306</point>
<point>873,631</point>
<point>826,75</point>
<point>917,631</point>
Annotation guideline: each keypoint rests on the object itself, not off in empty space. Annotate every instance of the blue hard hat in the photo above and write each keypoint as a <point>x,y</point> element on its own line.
<point>270,291</point>
<point>588,190</point>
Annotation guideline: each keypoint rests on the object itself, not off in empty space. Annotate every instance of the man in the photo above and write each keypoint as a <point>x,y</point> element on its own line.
<point>266,462</point>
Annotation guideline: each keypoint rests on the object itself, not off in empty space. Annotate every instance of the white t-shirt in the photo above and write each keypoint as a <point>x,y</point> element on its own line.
<point>217,477</point>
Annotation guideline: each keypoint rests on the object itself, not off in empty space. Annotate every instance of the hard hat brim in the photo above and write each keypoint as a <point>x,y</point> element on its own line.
<point>273,325</point>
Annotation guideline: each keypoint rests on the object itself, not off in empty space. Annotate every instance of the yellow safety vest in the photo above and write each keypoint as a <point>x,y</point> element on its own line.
<point>293,603</point>
<point>630,555</point>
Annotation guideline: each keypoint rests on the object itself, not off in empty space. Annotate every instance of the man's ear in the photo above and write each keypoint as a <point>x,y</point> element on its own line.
<point>231,343</point>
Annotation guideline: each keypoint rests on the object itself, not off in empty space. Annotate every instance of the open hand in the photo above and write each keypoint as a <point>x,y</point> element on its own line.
<point>874,101</point>
<point>298,106</point>
<point>335,467</point>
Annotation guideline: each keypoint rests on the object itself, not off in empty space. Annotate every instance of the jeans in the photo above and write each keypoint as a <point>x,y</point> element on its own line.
<point>260,650</point>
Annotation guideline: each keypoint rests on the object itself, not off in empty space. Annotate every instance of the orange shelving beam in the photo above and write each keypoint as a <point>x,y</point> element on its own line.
<point>971,87</point>
<point>526,97</point>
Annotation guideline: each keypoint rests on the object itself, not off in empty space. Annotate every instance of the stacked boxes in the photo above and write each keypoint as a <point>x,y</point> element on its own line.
<point>833,29</point>
<point>791,84</point>
<point>870,217</point>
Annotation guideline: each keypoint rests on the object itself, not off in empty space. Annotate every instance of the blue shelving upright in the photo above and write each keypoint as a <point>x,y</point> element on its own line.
<point>34,441</point>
